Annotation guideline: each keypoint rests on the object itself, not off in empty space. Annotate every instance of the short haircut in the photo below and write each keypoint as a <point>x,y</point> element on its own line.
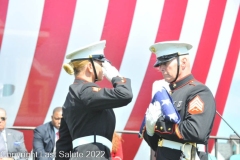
<point>57,109</point>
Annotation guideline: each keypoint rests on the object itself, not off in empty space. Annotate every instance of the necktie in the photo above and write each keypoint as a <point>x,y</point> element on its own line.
<point>3,150</point>
<point>57,135</point>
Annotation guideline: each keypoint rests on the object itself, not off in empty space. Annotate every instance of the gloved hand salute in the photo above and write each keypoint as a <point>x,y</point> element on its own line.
<point>110,71</point>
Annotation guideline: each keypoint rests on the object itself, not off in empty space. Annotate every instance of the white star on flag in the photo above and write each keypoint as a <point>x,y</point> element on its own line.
<point>166,101</point>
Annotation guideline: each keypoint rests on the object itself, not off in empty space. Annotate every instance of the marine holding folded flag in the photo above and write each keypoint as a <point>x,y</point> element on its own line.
<point>177,124</point>
<point>88,121</point>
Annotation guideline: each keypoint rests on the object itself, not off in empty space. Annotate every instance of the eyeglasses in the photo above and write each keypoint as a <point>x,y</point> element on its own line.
<point>3,118</point>
<point>96,57</point>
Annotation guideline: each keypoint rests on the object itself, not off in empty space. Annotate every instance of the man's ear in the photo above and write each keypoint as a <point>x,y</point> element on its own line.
<point>183,63</point>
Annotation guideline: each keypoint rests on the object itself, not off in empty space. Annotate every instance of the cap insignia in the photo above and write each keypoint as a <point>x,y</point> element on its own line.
<point>153,49</point>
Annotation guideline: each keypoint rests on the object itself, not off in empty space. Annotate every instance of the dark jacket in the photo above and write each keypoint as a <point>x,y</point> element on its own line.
<point>44,142</point>
<point>196,106</point>
<point>88,110</point>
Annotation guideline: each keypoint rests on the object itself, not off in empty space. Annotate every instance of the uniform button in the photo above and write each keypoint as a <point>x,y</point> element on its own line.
<point>169,129</point>
<point>161,128</point>
<point>174,85</point>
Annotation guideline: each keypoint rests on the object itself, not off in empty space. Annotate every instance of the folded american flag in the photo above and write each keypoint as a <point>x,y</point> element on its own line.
<point>163,100</point>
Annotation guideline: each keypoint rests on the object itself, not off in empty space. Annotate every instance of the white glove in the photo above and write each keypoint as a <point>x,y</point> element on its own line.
<point>109,71</point>
<point>152,114</point>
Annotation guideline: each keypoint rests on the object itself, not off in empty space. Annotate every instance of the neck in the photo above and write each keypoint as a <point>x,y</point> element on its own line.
<point>183,73</point>
<point>85,77</point>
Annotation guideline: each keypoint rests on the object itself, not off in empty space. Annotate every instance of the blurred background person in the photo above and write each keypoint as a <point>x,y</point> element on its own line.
<point>117,151</point>
<point>46,135</point>
<point>11,141</point>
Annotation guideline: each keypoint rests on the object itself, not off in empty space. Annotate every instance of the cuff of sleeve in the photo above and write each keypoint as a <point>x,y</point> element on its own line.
<point>122,79</point>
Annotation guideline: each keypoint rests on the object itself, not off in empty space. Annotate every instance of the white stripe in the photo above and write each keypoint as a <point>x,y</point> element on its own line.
<point>137,54</point>
<point>144,151</point>
<point>18,48</point>
<point>222,46</point>
<point>193,24</point>
<point>88,23</point>
<point>89,18</point>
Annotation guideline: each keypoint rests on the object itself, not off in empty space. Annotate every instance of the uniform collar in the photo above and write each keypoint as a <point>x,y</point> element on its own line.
<point>78,80</point>
<point>181,82</point>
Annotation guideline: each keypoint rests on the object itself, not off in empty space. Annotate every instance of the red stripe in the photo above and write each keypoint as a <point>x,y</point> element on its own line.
<point>208,39</point>
<point>47,63</point>
<point>227,74</point>
<point>169,29</point>
<point>3,15</point>
<point>116,31</point>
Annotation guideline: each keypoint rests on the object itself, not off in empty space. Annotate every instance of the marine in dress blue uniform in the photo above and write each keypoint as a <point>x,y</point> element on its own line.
<point>192,99</point>
<point>88,118</point>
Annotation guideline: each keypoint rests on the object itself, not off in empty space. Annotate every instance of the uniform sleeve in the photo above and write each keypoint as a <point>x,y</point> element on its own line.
<point>200,114</point>
<point>64,143</point>
<point>104,98</point>
<point>152,141</point>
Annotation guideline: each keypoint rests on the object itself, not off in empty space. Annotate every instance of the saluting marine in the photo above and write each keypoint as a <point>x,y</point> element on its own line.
<point>193,101</point>
<point>88,119</point>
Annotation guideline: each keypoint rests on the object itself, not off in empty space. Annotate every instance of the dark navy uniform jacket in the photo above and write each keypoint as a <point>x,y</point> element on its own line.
<point>88,110</point>
<point>196,105</point>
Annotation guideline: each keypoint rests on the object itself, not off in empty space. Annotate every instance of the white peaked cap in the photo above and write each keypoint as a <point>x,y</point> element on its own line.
<point>96,48</point>
<point>170,47</point>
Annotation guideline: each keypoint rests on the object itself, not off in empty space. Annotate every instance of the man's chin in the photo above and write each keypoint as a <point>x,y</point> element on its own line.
<point>168,79</point>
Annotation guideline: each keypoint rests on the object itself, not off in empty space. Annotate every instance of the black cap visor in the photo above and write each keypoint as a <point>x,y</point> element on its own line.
<point>160,62</point>
<point>166,58</point>
<point>96,57</point>
<point>99,57</point>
